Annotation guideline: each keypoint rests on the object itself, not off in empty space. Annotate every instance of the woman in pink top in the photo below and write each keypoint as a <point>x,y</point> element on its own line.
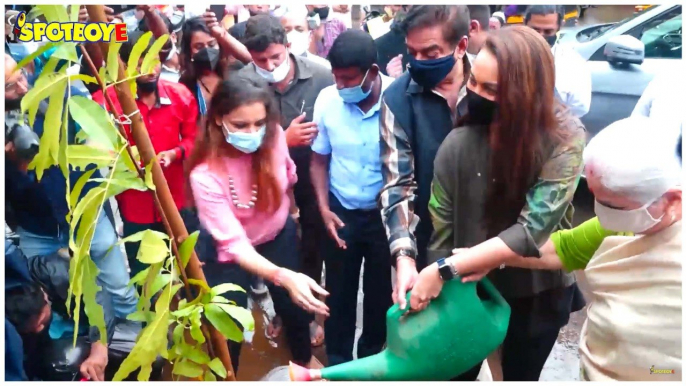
<point>240,177</point>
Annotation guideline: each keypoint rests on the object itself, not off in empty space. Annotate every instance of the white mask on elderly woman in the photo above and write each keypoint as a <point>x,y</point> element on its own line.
<point>634,161</point>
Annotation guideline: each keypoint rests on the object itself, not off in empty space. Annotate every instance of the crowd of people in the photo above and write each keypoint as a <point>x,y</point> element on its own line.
<point>449,148</point>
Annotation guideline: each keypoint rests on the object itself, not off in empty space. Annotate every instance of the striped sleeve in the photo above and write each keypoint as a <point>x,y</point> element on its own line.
<point>398,194</point>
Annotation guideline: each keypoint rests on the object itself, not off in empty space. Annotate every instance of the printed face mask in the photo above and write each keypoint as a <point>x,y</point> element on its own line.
<point>279,72</point>
<point>635,221</point>
<point>246,142</point>
<point>355,94</point>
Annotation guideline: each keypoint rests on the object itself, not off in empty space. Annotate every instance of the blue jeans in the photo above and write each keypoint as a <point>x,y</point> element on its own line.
<point>113,276</point>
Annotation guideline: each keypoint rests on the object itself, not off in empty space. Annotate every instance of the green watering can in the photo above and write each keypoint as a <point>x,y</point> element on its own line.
<point>456,332</point>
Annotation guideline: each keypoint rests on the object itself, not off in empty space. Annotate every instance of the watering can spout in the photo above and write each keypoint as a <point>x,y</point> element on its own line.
<point>376,367</point>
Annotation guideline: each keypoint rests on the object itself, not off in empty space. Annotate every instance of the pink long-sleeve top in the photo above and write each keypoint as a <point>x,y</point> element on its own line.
<point>236,230</point>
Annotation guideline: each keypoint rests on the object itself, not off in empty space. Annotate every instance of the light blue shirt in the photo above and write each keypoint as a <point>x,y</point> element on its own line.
<point>351,137</point>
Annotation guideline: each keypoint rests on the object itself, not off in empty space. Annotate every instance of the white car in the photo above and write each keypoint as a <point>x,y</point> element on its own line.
<point>617,85</point>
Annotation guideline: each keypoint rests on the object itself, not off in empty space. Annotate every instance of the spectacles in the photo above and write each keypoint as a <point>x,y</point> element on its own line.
<point>12,86</point>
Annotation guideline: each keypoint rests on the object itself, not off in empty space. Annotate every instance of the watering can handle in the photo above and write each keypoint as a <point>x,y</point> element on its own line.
<point>395,312</point>
<point>492,292</point>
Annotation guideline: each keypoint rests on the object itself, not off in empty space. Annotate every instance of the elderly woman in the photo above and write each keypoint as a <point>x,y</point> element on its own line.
<point>635,319</point>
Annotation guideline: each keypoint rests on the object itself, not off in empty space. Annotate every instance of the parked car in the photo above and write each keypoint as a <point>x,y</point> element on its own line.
<point>651,37</point>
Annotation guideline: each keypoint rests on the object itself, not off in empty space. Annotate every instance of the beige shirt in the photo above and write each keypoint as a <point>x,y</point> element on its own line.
<point>633,330</point>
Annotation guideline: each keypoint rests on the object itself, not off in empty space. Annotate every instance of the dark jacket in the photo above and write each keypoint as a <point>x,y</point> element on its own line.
<point>390,45</point>
<point>40,207</point>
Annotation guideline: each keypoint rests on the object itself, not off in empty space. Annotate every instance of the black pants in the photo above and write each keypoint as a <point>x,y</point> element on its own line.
<point>364,236</point>
<point>535,323</point>
<point>283,252</point>
<point>311,225</point>
<point>204,247</point>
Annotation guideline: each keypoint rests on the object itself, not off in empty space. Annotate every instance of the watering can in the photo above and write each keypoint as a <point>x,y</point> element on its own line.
<point>456,332</point>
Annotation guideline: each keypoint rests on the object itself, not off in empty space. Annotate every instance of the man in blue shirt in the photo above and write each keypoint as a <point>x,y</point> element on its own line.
<point>346,174</point>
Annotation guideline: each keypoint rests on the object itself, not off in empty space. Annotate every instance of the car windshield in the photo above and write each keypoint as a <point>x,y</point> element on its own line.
<point>596,33</point>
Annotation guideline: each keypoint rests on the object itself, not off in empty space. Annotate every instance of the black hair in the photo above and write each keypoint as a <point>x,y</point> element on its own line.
<point>454,18</point>
<point>543,10</point>
<point>23,304</point>
<point>480,13</point>
<point>678,149</point>
<point>188,75</point>
<point>261,31</point>
<point>353,48</point>
<point>500,19</point>
<point>143,25</point>
<point>127,46</point>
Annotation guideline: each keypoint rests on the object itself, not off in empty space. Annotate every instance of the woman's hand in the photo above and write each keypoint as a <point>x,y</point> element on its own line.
<point>93,368</point>
<point>212,23</point>
<point>405,278</point>
<point>300,288</point>
<point>427,287</point>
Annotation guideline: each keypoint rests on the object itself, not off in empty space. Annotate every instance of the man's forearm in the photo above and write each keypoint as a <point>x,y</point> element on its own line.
<point>320,179</point>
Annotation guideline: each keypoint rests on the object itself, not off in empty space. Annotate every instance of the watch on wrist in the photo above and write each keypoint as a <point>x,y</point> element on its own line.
<point>446,270</point>
<point>404,253</point>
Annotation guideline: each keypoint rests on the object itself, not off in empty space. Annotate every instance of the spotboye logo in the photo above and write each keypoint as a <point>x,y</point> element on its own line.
<point>68,32</point>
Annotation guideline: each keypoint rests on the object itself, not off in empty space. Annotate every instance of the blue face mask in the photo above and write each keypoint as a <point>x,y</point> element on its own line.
<point>429,73</point>
<point>246,142</point>
<point>355,94</point>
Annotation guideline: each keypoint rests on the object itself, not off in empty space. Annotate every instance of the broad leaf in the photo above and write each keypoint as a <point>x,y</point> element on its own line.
<point>141,316</point>
<point>141,45</point>
<point>126,182</point>
<point>96,316</point>
<point>160,282</point>
<point>140,276</point>
<point>242,315</point>
<point>220,299</point>
<point>48,152</point>
<point>223,322</point>
<point>104,76</point>
<point>209,376</point>
<point>200,284</point>
<point>82,156</point>
<point>153,248</point>
<point>78,187</point>
<point>187,369</point>
<point>54,13</point>
<point>94,120</point>
<point>183,312</point>
<point>218,367</point>
<point>196,322</point>
<point>196,355</point>
<point>152,57</point>
<point>137,237</point>
<point>186,248</point>
<point>30,57</point>
<point>177,335</point>
<point>151,343</point>
<point>74,13</point>
<point>226,287</point>
<point>44,87</point>
<point>66,51</point>
<point>113,61</point>
<point>148,176</point>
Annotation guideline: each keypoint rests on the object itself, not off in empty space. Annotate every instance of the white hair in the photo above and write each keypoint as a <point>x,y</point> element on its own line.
<point>636,158</point>
<point>295,12</point>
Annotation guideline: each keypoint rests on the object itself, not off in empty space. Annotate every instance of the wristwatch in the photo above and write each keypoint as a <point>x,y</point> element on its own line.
<point>404,253</point>
<point>446,270</point>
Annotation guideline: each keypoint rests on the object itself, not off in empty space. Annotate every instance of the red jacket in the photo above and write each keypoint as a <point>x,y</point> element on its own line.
<point>171,124</point>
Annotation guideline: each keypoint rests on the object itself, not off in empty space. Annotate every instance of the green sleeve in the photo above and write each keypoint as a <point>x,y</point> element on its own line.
<point>575,247</point>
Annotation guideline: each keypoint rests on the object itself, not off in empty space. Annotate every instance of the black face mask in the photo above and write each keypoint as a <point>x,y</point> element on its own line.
<point>323,12</point>
<point>551,39</point>
<point>206,60</point>
<point>146,87</point>
<point>481,110</point>
<point>12,104</point>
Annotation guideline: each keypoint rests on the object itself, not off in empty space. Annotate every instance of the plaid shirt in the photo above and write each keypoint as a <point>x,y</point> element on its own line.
<point>398,194</point>
<point>332,28</point>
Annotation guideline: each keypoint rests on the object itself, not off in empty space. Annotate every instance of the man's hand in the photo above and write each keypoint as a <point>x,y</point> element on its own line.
<point>145,8</point>
<point>333,224</point>
<point>301,133</point>
<point>94,366</point>
<point>405,277</point>
<point>166,158</point>
<point>83,14</point>
<point>395,67</point>
<point>11,154</point>
<point>427,288</point>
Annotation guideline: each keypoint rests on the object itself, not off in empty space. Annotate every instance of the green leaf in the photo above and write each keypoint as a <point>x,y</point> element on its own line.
<point>187,369</point>
<point>141,316</point>
<point>96,316</point>
<point>183,312</point>
<point>66,51</point>
<point>151,343</point>
<point>128,181</point>
<point>209,377</point>
<point>138,237</point>
<point>141,45</point>
<point>242,315</point>
<point>177,335</point>
<point>160,282</point>
<point>82,156</point>
<point>78,187</point>
<point>152,57</point>
<point>29,58</point>
<point>226,287</point>
<point>153,248</point>
<point>148,176</point>
<point>83,77</point>
<point>54,13</point>
<point>218,367</point>
<point>220,299</point>
<point>140,276</point>
<point>113,61</point>
<point>196,355</point>
<point>187,246</point>
<point>165,297</point>
<point>196,322</point>
<point>94,120</point>
<point>48,152</point>
<point>74,13</point>
<point>223,322</point>
<point>200,284</point>
<point>133,86</point>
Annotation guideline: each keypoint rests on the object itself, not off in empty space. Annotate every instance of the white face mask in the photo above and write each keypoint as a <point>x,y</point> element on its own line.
<point>300,42</point>
<point>280,73</point>
<point>634,221</point>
